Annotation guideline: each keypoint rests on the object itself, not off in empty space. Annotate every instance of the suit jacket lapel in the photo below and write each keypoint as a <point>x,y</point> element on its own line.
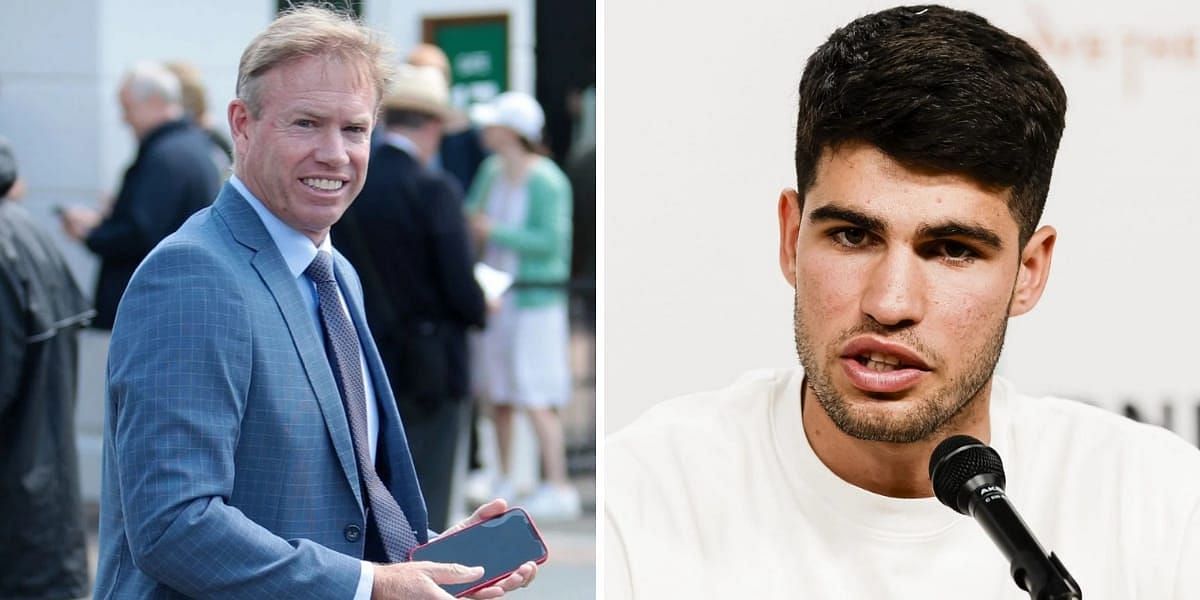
<point>246,227</point>
<point>404,485</point>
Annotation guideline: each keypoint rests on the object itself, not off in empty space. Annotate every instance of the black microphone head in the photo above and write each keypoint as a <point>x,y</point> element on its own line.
<point>958,460</point>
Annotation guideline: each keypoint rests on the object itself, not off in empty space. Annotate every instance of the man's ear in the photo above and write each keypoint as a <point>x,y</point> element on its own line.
<point>789,231</point>
<point>1034,271</point>
<point>239,119</point>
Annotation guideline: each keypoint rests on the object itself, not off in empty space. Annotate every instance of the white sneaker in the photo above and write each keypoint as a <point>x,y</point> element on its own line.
<point>503,488</point>
<point>552,503</point>
<point>483,487</point>
<point>478,487</point>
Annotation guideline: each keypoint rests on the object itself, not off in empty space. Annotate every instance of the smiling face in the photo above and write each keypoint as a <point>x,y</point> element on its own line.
<point>904,284</point>
<point>305,155</point>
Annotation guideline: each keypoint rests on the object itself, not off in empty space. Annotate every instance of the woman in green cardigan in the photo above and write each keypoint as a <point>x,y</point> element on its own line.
<point>520,213</point>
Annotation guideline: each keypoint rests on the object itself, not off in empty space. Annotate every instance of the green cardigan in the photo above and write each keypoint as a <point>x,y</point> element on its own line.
<point>543,241</point>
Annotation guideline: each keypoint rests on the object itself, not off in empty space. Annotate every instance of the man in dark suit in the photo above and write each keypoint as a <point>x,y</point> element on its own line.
<point>252,446</point>
<point>172,177</point>
<point>460,151</point>
<point>407,238</point>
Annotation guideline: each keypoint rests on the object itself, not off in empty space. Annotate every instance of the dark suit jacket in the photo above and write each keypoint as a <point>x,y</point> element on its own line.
<point>406,235</point>
<point>460,155</point>
<point>229,470</point>
<point>172,177</point>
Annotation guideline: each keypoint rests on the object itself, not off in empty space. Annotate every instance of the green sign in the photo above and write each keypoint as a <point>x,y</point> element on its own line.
<point>478,53</point>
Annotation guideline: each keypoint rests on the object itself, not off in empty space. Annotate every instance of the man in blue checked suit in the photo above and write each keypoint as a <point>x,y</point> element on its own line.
<point>252,444</point>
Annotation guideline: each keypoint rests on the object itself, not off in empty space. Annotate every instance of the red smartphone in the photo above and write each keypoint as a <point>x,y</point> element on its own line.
<point>500,545</point>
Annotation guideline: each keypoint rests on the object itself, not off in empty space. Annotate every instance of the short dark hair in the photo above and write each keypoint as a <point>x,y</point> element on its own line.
<point>936,89</point>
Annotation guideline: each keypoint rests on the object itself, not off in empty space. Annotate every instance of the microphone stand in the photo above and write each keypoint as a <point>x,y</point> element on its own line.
<point>1044,577</point>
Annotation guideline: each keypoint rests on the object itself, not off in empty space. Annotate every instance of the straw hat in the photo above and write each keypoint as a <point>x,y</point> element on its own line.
<point>419,89</point>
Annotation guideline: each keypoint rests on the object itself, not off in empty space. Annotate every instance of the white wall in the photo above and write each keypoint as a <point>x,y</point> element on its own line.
<point>211,35</point>
<point>47,81</point>
<point>699,121</point>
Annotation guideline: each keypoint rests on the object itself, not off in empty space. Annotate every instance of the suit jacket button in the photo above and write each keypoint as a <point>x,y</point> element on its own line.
<point>352,532</point>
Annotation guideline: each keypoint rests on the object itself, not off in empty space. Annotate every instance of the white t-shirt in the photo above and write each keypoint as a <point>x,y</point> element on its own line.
<point>719,495</point>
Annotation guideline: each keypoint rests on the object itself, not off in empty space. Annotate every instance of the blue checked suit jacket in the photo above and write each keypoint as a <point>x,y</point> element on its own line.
<point>229,471</point>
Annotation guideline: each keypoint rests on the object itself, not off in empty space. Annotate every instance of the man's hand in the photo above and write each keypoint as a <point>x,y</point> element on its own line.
<point>420,580</point>
<point>78,221</point>
<point>520,578</point>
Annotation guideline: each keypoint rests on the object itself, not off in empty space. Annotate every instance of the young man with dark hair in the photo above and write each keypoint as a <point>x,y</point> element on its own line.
<point>925,142</point>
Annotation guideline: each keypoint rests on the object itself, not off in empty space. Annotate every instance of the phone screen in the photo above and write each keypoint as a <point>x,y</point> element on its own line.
<point>499,545</point>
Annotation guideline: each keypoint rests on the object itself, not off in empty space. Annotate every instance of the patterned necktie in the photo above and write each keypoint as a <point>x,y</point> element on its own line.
<point>343,350</point>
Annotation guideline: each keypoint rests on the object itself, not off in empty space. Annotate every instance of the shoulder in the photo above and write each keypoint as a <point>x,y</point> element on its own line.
<point>488,169</point>
<point>200,250</point>
<point>181,148</point>
<point>390,157</point>
<point>186,289</point>
<point>1108,449</point>
<point>547,176</point>
<point>437,183</point>
<point>14,220</point>
<point>490,165</point>
<point>1083,428</point>
<point>668,472</point>
<point>714,421</point>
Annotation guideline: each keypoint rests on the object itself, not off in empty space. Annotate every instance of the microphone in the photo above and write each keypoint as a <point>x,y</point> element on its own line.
<point>968,476</point>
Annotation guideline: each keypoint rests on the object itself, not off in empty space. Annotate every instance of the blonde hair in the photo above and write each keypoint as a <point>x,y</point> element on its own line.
<point>313,31</point>
<point>191,88</point>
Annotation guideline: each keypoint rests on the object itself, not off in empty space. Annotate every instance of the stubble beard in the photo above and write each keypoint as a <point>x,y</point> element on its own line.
<point>928,417</point>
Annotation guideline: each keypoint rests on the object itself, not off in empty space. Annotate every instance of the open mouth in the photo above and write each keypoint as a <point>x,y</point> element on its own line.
<point>875,365</point>
<point>883,363</point>
<point>323,185</point>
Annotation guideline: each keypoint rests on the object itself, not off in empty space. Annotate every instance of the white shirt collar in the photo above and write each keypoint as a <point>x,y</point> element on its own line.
<point>297,249</point>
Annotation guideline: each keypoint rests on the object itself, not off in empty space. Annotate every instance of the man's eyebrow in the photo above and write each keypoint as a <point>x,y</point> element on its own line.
<point>959,229</point>
<point>306,112</point>
<point>833,212</point>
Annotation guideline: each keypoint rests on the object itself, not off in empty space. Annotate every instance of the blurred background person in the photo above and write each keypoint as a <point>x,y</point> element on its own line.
<point>407,237</point>
<point>460,152</point>
<point>581,171</point>
<point>43,554</point>
<point>520,213</point>
<point>172,177</point>
<point>194,97</point>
